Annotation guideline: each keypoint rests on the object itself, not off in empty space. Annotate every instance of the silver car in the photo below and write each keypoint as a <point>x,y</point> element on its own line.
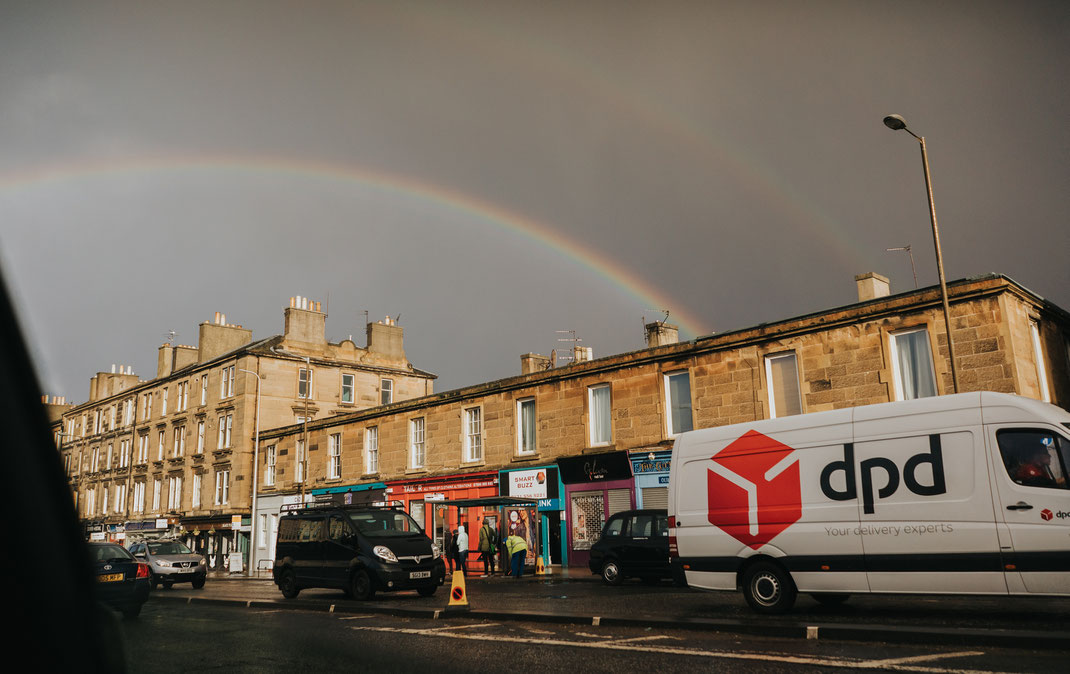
<point>171,562</point>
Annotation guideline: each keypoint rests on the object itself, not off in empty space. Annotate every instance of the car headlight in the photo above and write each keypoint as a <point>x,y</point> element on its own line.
<point>202,562</point>
<point>162,564</point>
<point>384,553</point>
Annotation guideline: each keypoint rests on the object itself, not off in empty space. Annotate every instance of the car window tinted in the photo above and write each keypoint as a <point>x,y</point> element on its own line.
<point>168,548</point>
<point>384,523</point>
<point>1035,457</point>
<point>661,526</point>
<point>615,527</point>
<point>642,526</point>
<point>107,553</point>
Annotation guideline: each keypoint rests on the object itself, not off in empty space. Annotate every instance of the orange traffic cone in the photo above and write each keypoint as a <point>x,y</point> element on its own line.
<point>458,595</point>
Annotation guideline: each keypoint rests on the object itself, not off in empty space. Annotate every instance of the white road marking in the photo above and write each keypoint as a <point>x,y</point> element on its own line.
<point>355,617</point>
<point>464,627</point>
<point>650,638</point>
<point>899,664</point>
<point>922,658</point>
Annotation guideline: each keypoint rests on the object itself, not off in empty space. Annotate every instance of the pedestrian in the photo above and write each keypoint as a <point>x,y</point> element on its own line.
<point>518,552</point>
<point>448,547</point>
<point>487,542</point>
<point>462,550</point>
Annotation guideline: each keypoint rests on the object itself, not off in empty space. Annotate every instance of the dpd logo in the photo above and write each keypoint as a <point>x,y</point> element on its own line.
<point>753,489</point>
<point>1046,515</point>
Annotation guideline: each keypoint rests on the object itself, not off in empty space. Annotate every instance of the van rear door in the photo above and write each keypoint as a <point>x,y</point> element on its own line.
<point>1029,468</point>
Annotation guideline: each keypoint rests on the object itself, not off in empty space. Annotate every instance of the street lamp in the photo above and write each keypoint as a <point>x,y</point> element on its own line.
<point>897,123</point>
<point>256,473</point>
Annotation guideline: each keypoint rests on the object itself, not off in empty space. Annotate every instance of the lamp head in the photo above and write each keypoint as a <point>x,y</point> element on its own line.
<point>895,122</point>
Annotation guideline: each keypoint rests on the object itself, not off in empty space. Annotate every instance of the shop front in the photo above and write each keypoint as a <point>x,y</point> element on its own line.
<point>596,486</point>
<point>651,471</point>
<point>425,500</point>
<point>219,539</point>
<point>546,534</point>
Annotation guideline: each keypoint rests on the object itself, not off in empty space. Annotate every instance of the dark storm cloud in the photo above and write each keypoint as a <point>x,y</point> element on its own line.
<point>729,156</point>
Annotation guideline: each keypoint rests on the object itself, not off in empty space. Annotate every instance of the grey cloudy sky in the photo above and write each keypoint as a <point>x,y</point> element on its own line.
<point>498,171</point>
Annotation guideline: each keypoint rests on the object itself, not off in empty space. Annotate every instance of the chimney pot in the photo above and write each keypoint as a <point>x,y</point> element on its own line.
<point>871,286</point>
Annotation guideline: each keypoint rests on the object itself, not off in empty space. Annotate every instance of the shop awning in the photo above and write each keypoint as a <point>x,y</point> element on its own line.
<point>487,502</point>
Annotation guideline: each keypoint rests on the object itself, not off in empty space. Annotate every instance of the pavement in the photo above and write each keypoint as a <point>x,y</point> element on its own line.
<point>575,596</point>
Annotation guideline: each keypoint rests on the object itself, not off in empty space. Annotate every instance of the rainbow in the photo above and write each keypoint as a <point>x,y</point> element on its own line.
<point>618,275</point>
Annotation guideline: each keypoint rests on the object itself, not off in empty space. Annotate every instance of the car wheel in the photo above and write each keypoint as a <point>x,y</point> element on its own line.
<point>611,573</point>
<point>360,585</point>
<point>154,581</point>
<point>167,584</point>
<point>427,591</point>
<point>288,584</point>
<point>131,612</point>
<point>198,582</point>
<point>830,598</point>
<point>768,588</point>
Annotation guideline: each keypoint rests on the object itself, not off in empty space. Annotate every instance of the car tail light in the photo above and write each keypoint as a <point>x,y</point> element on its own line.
<point>142,570</point>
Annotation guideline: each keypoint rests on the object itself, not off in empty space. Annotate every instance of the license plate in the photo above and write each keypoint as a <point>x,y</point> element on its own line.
<point>420,574</point>
<point>110,578</point>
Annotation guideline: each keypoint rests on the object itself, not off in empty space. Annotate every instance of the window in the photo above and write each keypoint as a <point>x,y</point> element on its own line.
<point>200,436</point>
<point>912,365</point>
<point>174,493</point>
<point>226,382</point>
<point>1035,457</point>
<point>782,379</point>
<point>678,402</point>
<point>270,457</point>
<point>124,453</point>
<point>196,490</point>
<point>299,469</point>
<point>417,447</point>
<point>371,449</point>
<point>473,434</point>
<point>94,466</point>
<point>163,403</point>
<point>146,410</point>
<point>598,405</point>
<point>107,461</point>
<point>304,383</point>
<point>226,424</point>
<point>160,437</point>
<point>525,426</point>
<point>143,448</point>
<point>179,447</point>
<point>183,396</point>
<point>222,487</point>
<point>386,391</point>
<point>334,456</point>
<point>139,497</point>
<point>347,388</point>
<point>156,496</point>
<point>261,532</point>
<point>104,502</point>
<point>204,389</point>
<point>1038,356</point>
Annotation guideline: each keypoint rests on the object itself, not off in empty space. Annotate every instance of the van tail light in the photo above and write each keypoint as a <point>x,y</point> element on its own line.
<point>672,521</point>
<point>674,550</point>
<point>142,570</point>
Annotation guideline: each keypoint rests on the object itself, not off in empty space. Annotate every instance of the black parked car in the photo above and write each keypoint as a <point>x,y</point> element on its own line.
<point>358,549</point>
<point>122,581</point>
<point>634,543</point>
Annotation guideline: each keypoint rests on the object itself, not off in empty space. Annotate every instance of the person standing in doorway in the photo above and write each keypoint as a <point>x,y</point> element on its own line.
<point>462,550</point>
<point>487,541</point>
<point>518,552</point>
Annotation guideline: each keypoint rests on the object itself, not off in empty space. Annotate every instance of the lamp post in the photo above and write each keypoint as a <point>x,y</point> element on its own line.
<point>256,473</point>
<point>897,123</point>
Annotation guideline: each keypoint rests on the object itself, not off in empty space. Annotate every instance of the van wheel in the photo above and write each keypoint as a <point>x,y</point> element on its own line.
<point>360,586</point>
<point>611,573</point>
<point>768,588</point>
<point>830,598</point>
<point>288,585</point>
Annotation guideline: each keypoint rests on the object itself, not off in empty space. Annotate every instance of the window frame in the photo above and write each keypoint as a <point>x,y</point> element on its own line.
<point>670,429</point>
<point>897,375</point>
<point>371,450</point>
<point>591,419</point>
<point>417,447</point>
<point>351,388</point>
<point>334,456</point>
<point>520,427</point>
<point>769,383</point>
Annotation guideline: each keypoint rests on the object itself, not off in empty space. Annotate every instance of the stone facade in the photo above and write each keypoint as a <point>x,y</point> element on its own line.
<point>180,446</point>
<point>844,357</point>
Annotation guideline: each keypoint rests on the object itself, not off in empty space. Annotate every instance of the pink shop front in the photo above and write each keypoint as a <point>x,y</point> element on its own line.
<point>596,486</point>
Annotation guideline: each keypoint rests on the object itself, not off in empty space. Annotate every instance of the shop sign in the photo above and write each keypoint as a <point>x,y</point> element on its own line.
<point>420,488</point>
<point>434,497</point>
<point>528,483</point>
<point>161,523</point>
<point>550,504</point>
<point>647,466</point>
<point>96,536</point>
<point>595,468</point>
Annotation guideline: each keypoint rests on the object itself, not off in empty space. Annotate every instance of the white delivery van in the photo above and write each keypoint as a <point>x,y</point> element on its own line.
<point>958,494</point>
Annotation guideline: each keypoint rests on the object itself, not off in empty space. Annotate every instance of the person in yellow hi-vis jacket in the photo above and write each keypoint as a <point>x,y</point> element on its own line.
<point>517,548</point>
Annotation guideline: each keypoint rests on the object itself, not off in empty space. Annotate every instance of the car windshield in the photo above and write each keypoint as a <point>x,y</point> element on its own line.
<point>384,523</point>
<point>109,553</point>
<point>168,548</point>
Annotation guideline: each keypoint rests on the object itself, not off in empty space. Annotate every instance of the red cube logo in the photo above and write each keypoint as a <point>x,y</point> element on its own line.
<point>754,489</point>
<point>1046,515</point>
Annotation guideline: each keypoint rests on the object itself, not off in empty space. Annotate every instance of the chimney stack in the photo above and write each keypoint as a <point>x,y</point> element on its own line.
<point>872,285</point>
<point>533,362</point>
<point>660,334</point>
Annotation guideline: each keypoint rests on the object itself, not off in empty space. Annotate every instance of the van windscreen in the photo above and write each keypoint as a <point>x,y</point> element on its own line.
<point>384,523</point>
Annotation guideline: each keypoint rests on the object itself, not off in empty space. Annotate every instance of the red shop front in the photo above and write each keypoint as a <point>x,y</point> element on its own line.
<point>425,500</point>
